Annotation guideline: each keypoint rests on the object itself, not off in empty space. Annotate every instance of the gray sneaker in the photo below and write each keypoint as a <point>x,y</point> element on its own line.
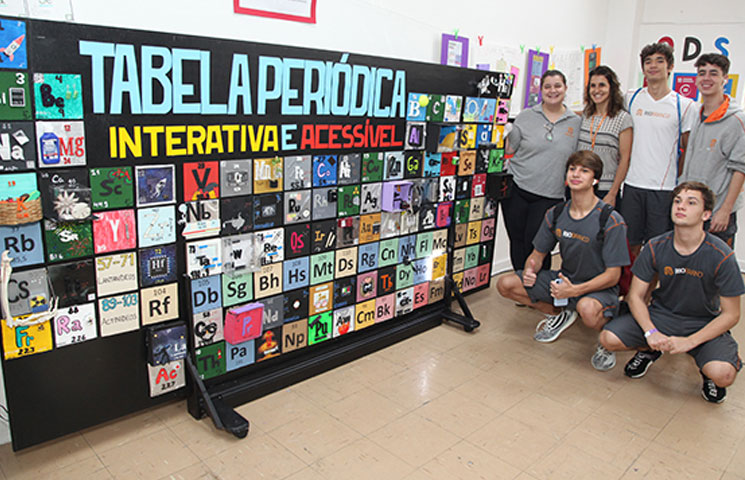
<point>603,360</point>
<point>551,327</point>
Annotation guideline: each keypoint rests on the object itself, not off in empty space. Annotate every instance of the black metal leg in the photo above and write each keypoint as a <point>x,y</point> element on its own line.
<point>466,320</point>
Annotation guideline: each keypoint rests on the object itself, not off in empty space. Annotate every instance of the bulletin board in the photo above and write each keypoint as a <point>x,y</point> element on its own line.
<point>183,179</point>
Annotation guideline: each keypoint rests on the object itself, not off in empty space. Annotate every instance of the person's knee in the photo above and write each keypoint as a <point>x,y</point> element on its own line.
<point>507,284</point>
<point>610,341</point>
<point>591,313</point>
<point>722,374</point>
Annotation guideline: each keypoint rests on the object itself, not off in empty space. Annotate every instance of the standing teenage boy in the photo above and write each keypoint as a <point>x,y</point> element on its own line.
<point>716,147</point>
<point>662,120</point>
<point>696,303</point>
<point>592,245</point>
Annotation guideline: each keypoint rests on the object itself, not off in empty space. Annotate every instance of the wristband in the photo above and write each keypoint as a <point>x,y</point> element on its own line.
<point>649,332</point>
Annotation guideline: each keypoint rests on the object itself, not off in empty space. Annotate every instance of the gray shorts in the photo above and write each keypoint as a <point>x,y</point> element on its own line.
<point>722,348</point>
<point>647,213</point>
<point>541,292</point>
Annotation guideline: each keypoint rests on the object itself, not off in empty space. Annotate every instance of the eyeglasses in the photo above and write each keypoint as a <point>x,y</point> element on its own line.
<point>549,131</point>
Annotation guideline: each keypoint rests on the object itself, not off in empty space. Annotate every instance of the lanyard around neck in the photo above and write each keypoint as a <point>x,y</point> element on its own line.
<point>594,134</point>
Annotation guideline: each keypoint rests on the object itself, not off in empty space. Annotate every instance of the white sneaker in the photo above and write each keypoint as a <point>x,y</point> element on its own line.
<point>552,326</point>
<point>603,360</point>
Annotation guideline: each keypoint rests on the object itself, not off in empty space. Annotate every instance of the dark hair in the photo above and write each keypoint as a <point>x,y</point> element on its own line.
<point>662,48</point>
<point>706,193</point>
<point>553,73</point>
<point>615,102</point>
<point>587,159</point>
<point>714,59</point>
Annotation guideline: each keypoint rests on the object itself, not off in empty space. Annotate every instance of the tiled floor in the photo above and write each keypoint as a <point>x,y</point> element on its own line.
<point>443,405</point>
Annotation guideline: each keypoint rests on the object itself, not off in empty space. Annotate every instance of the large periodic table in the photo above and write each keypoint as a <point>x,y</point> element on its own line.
<point>185,180</point>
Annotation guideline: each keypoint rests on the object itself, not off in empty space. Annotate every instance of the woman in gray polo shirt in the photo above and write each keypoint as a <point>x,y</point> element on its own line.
<point>542,138</point>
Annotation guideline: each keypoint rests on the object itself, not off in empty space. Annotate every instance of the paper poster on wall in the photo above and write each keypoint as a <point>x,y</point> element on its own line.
<point>116,273</point>
<point>51,9</point>
<point>119,314</point>
<point>17,147</point>
<point>58,96</point>
<point>685,85</point>
<point>508,60</point>
<point>454,50</point>
<point>75,324</point>
<point>571,64</point>
<point>294,10</point>
<point>60,144</point>
<point>592,60</point>
<point>537,64</point>
<point>26,340</point>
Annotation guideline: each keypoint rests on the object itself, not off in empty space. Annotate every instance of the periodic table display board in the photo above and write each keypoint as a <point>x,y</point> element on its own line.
<point>232,201</point>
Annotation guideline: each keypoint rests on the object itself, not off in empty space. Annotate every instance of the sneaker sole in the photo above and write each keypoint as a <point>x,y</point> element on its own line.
<point>713,401</point>
<point>610,367</point>
<point>639,375</point>
<point>558,334</point>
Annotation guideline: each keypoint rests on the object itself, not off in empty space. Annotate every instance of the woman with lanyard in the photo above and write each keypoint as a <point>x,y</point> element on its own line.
<point>542,138</point>
<point>607,130</point>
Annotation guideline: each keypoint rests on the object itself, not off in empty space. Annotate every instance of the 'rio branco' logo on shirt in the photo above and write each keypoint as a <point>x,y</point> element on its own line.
<point>670,271</point>
<point>570,131</point>
<point>576,236</point>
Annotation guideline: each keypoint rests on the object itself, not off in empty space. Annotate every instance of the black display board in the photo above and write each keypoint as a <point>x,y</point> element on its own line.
<point>148,130</point>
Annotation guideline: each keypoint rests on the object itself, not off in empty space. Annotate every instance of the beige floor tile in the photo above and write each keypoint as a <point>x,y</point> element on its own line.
<point>663,463</point>
<point>314,436</point>
<point>407,353</point>
<point>525,476</point>
<point>37,462</point>
<point>513,441</point>
<point>466,461</point>
<point>198,471</point>
<point>703,431</point>
<point>330,387</point>
<point>457,413</point>
<point>260,455</point>
<point>273,411</point>
<point>119,432</point>
<point>410,389</point>
<point>153,456</point>
<point>203,439</point>
<point>612,445</point>
<point>90,468</point>
<point>360,460</point>
<point>414,439</point>
<point>446,370</point>
<point>305,474</point>
<point>446,337</point>
<point>172,413</point>
<point>420,474</point>
<point>731,476</point>
<point>541,411</point>
<point>371,370</point>
<point>366,411</point>
<point>497,393</point>
<point>570,463</point>
<point>737,463</point>
<point>584,390</point>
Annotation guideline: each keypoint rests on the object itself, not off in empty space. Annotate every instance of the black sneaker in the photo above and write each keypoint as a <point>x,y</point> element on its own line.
<point>711,392</point>
<point>639,364</point>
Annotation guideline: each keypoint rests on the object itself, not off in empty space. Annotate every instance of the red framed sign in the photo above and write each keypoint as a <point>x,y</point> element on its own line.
<point>297,11</point>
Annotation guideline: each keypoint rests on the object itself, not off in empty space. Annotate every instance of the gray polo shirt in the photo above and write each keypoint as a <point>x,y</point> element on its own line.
<point>538,165</point>
<point>582,257</point>
<point>690,285</point>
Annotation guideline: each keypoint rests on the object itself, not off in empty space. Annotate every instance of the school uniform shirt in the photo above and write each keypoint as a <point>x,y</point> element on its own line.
<point>582,256</point>
<point>539,164</point>
<point>716,149</point>
<point>605,130</point>
<point>690,285</point>
<point>654,151</point>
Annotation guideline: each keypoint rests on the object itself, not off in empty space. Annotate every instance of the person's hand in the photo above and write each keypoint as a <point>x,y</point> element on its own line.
<point>719,221</point>
<point>658,341</point>
<point>529,275</point>
<point>610,199</point>
<point>680,344</point>
<point>563,289</point>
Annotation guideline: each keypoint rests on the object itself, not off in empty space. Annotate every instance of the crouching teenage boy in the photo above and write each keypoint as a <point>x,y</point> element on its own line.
<point>592,245</point>
<point>696,303</point>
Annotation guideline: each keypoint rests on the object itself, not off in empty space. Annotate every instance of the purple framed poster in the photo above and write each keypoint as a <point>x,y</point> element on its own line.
<point>454,51</point>
<point>537,66</point>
